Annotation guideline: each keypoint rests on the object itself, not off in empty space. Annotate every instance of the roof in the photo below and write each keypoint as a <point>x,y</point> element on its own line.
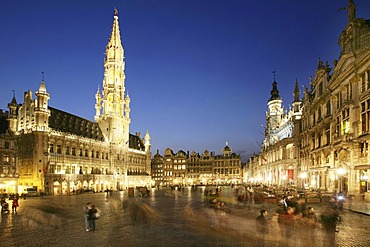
<point>65,122</point>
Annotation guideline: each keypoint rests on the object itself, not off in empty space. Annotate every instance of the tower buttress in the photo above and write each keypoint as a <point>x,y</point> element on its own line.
<point>13,111</point>
<point>147,141</point>
<point>98,99</point>
<point>42,112</point>
<point>127,107</point>
<point>297,102</point>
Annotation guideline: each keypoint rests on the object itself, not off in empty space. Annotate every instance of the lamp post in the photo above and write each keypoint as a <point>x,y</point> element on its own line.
<point>341,171</point>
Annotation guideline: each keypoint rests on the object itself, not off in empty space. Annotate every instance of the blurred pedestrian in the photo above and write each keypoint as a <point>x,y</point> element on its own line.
<point>301,206</point>
<point>93,215</point>
<point>88,221</point>
<point>15,204</point>
<point>273,236</point>
<point>287,222</point>
<point>261,227</point>
<point>310,224</point>
<point>329,218</point>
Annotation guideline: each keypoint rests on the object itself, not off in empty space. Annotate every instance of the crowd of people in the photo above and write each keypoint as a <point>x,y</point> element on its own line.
<point>293,223</point>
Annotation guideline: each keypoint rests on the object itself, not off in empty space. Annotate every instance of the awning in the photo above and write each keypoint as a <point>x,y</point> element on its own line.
<point>362,167</point>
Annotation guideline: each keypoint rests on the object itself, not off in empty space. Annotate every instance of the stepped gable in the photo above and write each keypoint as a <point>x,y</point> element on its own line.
<point>68,123</point>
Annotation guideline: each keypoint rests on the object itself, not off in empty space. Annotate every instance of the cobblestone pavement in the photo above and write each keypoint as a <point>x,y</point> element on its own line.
<point>165,218</point>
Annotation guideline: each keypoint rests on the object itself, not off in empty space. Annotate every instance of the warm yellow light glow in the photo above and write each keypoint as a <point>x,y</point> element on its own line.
<point>341,171</point>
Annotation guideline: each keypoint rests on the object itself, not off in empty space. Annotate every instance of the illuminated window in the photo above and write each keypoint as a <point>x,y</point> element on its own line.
<point>365,115</point>
<point>58,169</point>
<point>6,158</point>
<point>345,121</point>
<point>364,149</point>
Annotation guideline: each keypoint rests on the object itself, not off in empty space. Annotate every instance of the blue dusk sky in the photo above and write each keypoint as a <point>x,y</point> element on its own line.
<point>199,72</point>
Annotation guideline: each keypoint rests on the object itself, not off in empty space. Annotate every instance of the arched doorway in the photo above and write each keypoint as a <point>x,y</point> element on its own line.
<point>65,190</point>
<point>56,188</point>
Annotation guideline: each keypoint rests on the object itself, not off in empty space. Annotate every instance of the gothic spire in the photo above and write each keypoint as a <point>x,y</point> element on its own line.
<point>14,101</point>
<point>296,92</point>
<point>115,38</point>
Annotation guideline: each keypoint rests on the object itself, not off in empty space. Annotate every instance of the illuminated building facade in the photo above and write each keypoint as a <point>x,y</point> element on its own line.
<point>60,153</point>
<point>277,163</point>
<point>194,169</point>
<point>330,144</point>
<point>8,155</point>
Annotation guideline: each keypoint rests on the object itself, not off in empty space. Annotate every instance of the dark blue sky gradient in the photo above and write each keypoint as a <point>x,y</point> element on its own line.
<point>199,72</point>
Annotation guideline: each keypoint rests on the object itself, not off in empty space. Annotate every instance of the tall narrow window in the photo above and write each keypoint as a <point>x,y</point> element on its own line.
<point>337,126</point>
<point>328,108</point>
<point>339,100</point>
<point>363,83</point>
<point>327,134</point>
<point>345,121</point>
<point>364,149</point>
<point>59,149</point>
<point>349,91</point>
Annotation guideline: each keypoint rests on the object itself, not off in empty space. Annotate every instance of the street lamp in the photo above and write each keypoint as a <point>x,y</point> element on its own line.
<point>341,171</point>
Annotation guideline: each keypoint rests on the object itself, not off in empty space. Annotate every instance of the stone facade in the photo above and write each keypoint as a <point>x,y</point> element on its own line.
<point>329,137</point>
<point>60,153</point>
<point>194,169</point>
<point>8,158</point>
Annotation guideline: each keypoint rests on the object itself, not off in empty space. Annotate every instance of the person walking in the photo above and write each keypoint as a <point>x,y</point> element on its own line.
<point>261,227</point>
<point>329,218</point>
<point>287,222</point>
<point>15,204</point>
<point>310,223</point>
<point>88,221</point>
<point>92,216</point>
<point>273,236</point>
